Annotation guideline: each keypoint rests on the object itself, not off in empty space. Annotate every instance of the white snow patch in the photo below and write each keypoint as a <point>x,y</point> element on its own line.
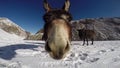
<point>31,54</point>
<point>27,52</point>
<point>4,36</point>
<point>9,64</point>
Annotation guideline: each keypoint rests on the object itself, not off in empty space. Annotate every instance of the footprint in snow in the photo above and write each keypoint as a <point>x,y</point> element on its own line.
<point>112,50</point>
<point>83,56</point>
<point>72,56</point>
<point>117,59</point>
<point>91,60</point>
<point>100,52</point>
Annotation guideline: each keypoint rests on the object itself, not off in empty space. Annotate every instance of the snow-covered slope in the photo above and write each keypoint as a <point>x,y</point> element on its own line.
<point>8,22</point>
<point>5,36</point>
<point>31,54</point>
<point>105,28</point>
<point>10,27</point>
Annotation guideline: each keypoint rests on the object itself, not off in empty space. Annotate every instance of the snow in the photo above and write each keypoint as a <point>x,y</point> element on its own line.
<point>9,22</point>
<point>4,36</point>
<point>31,54</point>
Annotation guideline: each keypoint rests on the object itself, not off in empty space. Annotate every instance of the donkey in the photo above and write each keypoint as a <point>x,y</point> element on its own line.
<point>86,34</point>
<point>57,30</point>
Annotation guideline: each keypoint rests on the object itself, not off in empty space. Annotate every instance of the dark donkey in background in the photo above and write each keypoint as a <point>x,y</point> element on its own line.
<point>85,34</point>
<point>57,30</point>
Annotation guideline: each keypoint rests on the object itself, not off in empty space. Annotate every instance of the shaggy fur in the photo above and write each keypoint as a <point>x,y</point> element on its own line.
<point>57,30</point>
<point>86,34</point>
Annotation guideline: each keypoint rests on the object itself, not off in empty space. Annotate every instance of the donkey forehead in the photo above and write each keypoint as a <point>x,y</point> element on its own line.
<point>57,12</point>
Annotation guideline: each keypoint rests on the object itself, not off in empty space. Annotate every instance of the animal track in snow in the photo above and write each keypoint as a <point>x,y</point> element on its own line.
<point>83,56</point>
<point>102,51</point>
<point>116,59</point>
<point>91,60</point>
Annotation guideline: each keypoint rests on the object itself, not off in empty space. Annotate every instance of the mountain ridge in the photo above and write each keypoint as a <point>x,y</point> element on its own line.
<point>12,28</point>
<point>105,28</point>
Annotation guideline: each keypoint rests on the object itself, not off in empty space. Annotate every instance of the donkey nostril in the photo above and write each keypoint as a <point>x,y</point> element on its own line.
<point>58,57</point>
<point>67,47</point>
<point>60,53</point>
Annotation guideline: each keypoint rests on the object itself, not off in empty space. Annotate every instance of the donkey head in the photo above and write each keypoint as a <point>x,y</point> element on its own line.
<point>57,30</point>
<point>52,14</point>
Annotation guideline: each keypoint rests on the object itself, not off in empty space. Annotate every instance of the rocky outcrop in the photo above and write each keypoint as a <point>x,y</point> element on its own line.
<point>37,36</point>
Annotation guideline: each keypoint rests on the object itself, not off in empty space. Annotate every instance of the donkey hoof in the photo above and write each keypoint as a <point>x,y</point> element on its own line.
<point>83,44</point>
<point>91,43</point>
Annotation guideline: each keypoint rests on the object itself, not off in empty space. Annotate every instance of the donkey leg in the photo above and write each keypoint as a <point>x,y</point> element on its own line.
<point>87,41</point>
<point>83,42</point>
<point>92,41</point>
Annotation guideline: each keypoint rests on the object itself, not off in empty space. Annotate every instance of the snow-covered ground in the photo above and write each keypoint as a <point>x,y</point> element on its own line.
<point>4,36</point>
<point>31,54</point>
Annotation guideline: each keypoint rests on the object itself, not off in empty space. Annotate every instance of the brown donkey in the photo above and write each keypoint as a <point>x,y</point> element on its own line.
<point>57,30</point>
<point>86,34</point>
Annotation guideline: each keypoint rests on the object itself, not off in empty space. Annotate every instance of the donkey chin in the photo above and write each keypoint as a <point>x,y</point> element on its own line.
<point>57,50</point>
<point>58,45</point>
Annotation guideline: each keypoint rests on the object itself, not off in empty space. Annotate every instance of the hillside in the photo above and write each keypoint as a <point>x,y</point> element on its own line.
<point>5,36</point>
<point>105,28</point>
<point>12,28</point>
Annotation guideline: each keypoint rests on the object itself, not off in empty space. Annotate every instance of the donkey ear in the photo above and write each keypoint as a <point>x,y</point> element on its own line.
<point>66,5</point>
<point>46,6</point>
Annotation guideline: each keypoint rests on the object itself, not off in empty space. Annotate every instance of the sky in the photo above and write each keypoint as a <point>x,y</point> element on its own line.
<point>28,13</point>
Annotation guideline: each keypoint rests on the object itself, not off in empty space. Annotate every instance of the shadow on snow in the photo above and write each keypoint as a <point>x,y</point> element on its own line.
<point>8,52</point>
